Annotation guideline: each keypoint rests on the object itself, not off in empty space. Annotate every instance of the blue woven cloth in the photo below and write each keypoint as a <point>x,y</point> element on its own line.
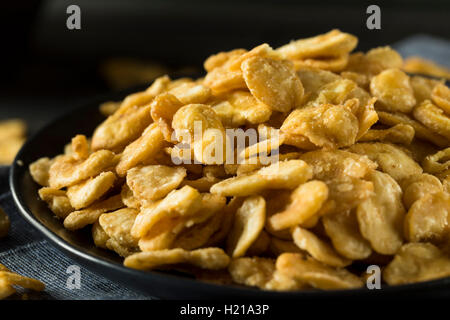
<point>25,251</point>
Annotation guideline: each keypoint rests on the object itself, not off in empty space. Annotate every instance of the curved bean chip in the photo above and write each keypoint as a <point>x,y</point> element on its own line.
<point>67,171</point>
<point>400,133</point>
<point>57,201</point>
<point>85,193</point>
<point>433,118</point>
<point>81,218</point>
<point>248,223</point>
<point>441,97</point>
<point>420,130</point>
<point>273,82</point>
<point>144,148</point>
<point>416,262</point>
<point>428,218</point>
<point>438,162</point>
<point>393,91</point>
<point>306,201</point>
<point>317,248</point>
<point>117,225</point>
<point>380,217</point>
<point>331,44</point>
<point>374,61</point>
<point>390,159</point>
<point>315,273</point>
<point>39,171</point>
<point>241,108</point>
<point>208,258</point>
<point>280,175</point>
<point>154,182</point>
<point>418,186</point>
<point>343,230</point>
<point>122,127</point>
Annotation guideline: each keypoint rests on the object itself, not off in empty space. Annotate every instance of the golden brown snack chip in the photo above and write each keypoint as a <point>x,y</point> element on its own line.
<point>248,223</point>
<point>273,82</point>
<point>85,193</point>
<point>380,217</point>
<point>39,171</point>
<point>433,118</point>
<point>317,248</point>
<point>393,91</point>
<point>417,64</point>
<point>416,262</point>
<point>207,258</point>
<point>57,201</point>
<point>316,274</point>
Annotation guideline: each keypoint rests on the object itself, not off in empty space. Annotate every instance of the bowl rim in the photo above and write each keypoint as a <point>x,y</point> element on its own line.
<point>66,247</point>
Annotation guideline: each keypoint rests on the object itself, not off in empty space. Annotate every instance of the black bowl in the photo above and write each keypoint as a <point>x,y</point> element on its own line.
<point>50,141</point>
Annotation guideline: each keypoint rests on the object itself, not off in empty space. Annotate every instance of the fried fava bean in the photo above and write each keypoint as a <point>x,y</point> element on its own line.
<point>441,97</point>
<point>198,235</point>
<point>81,218</point>
<point>163,107</point>
<point>99,235</point>
<point>433,118</point>
<point>400,133</point>
<point>85,193</point>
<point>343,230</point>
<point>331,44</point>
<point>67,171</point>
<point>248,223</point>
<point>122,127</point>
<point>334,64</point>
<point>327,125</point>
<point>128,197</point>
<point>117,225</point>
<point>416,64</point>
<point>255,272</point>
<point>191,92</point>
<point>80,147</point>
<point>420,130</point>
<point>317,248</point>
<point>416,262</point>
<point>343,172</point>
<point>183,202</point>
<point>438,162</point>
<point>6,289</point>
<point>207,258</point>
<point>154,182</point>
<point>418,186</point>
<point>57,201</point>
<point>39,171</point>
<point>389,158</point>
<point>144,148</point>
<point>4,223</point>
<point>423,87</point>
<point>280,175</point>
<point>428,218</point>
<point>261,273</point>
<point>374,61</point>
<point>315,273</point>
<point>273,82</point>
<point>307,199</point>
<point>393,91</point>
<point>219,59</point>
<point>241,108</point>
<point>380,217</point>
<point>22,281</point>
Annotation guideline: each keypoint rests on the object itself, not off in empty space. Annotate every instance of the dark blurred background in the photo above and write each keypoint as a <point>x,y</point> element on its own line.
<point>47,68</point>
